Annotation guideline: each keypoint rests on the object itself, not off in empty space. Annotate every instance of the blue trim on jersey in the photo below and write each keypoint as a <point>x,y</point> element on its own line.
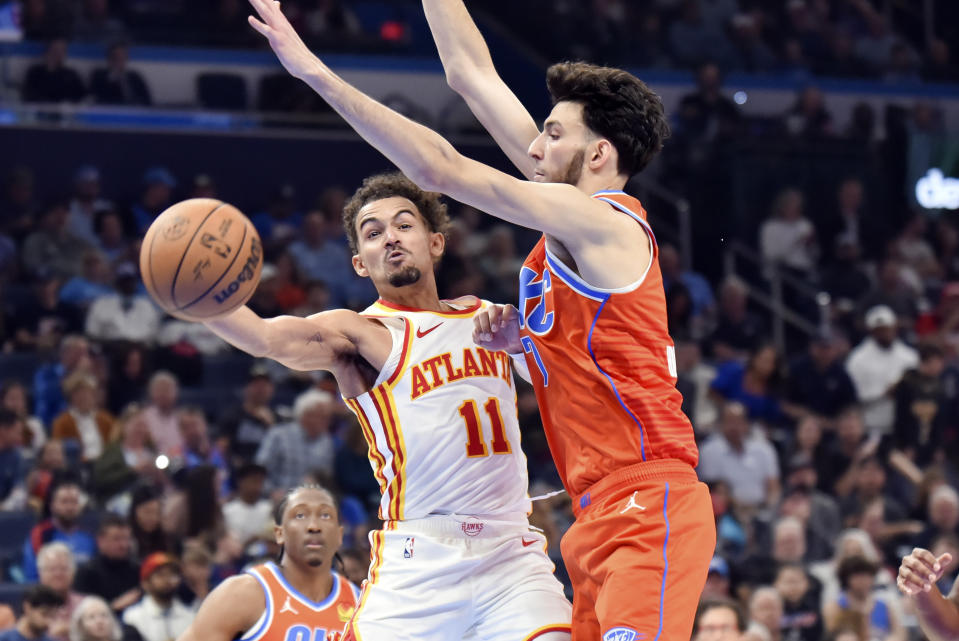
<point>334,591</point>
<point>589,348</point>
<point>268,618</point>
<point>561,271</point>
<point>629,212</point>
<point>662,589</point>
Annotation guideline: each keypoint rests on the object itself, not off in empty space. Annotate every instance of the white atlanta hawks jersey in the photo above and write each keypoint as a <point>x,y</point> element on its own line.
<point>441,420</point>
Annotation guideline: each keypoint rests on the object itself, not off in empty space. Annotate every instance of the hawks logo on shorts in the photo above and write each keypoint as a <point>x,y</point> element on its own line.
<point>290,616</point>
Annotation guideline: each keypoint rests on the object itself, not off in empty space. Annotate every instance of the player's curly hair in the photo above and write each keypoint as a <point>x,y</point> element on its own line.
<point>388,185</point>
<point>617,106</point>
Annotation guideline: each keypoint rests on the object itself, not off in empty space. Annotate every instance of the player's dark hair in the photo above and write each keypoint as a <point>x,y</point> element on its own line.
<point>388,185</point>
<point>716,603</point>
<point>617,106</point>
<point>281,508</point>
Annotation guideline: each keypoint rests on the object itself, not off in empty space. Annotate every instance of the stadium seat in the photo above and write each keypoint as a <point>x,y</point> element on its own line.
<point>227,370</point>
<point>281,92</point>
<point>223,91</point>
<point>14,530</point>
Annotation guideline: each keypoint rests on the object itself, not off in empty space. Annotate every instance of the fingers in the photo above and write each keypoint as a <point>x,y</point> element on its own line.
<point>481,328</point>
<point>919,571</point>
<point>944,560</point>
<point>259,26</point>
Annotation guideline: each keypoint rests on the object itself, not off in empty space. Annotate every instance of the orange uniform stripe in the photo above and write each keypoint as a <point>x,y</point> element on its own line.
<point>400,453</point>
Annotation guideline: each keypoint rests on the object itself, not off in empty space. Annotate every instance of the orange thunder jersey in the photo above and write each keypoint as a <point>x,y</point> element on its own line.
<point>290,616</point>
<point>603,365</point>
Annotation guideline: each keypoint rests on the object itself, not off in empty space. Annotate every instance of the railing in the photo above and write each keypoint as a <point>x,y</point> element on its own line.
<point>773,301</point>
<point>683,229</point>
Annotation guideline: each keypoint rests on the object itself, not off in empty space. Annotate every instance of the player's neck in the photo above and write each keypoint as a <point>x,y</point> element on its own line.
<point>594,183</point>
<point>414,297</point>
<point>313,583</point>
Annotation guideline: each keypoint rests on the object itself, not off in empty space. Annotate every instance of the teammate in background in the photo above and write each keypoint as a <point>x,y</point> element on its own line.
<point>593,311</point>
<point>456,556</point>
<point>299,598</point>
<point>938,614</point>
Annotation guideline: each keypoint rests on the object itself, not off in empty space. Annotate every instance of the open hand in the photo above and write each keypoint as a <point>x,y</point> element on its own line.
<point>920,570</point>
<point>497,329</point>
<point>289,48</point>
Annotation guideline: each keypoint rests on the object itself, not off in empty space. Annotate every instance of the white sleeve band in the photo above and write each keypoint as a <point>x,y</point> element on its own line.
<point>519,364</point>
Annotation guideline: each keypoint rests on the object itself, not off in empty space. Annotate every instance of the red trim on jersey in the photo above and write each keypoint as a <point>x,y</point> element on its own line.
<point>394,446</point>
<point>455,312</point>
<point>557,627</point>
<point>405,353</point>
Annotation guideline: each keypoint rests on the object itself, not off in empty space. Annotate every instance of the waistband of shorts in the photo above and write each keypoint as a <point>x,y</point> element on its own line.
<point>656,470</point>
<point>464,526</point>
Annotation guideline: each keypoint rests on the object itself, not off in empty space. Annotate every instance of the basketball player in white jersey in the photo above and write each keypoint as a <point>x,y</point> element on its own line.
<point>456,557</point>
<point>299,599</point>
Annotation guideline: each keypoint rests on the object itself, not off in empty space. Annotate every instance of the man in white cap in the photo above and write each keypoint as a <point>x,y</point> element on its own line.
<point>876,366</point>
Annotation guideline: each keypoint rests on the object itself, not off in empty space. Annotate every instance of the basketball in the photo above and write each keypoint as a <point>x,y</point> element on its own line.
<point>201,258</point>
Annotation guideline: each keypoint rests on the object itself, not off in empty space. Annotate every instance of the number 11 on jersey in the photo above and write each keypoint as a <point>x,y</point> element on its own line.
<point>475,445</point>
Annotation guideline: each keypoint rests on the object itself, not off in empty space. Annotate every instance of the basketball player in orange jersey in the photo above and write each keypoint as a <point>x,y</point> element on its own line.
<point>456,557</point>
<point>299,599</point>
<point>592,312</point>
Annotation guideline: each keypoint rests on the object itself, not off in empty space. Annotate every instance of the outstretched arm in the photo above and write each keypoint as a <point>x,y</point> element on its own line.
<point>431,162</point>
<point>938,614</point>
<point>470,73</point>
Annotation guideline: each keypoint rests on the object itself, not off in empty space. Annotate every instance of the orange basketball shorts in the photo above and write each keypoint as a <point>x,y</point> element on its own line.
<point>638,553</point>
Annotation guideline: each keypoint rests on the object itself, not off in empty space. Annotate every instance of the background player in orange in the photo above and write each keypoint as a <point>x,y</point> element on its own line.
<point>594,321</point>
<point>299,599</point>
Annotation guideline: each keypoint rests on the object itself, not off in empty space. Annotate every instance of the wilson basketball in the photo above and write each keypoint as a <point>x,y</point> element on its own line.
<point>200,259</point>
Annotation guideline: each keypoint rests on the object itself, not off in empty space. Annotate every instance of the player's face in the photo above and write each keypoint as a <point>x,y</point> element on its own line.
<point>396,246</point>
<point>311,532</point>
<point>560,150</point>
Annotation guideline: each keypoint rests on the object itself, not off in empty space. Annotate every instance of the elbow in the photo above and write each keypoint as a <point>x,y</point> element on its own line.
<point>435,171</point>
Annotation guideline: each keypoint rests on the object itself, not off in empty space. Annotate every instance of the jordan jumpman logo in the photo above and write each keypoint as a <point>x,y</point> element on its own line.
<point>632,504</point>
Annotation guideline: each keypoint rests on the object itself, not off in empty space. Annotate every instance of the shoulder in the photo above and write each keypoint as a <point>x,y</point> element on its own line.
<point>239,592</point>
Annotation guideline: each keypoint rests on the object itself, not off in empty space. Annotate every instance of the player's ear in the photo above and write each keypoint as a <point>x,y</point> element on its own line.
<point>278,535</point>
<point>359,267</point>
<point>437,245</point>
<point>600,152</point>
<point>339,537</point>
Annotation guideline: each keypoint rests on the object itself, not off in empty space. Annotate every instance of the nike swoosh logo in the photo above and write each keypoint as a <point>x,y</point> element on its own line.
<point>526,543</point>
<point>420,333</point>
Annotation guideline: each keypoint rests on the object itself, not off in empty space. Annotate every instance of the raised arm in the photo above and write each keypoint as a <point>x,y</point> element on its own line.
<point>323,341</point>
<point>470,73</point>
<point>938,614</point>
<point>430,161</point>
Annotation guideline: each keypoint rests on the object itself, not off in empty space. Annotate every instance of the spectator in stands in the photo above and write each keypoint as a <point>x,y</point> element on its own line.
<point>93,621</point>
<point>877,365</point>
<point>245,425</point>
<point>693,40</point>
<point>40,605</point>
<point>738,330</point>
<point>249,515</point>
<point>850,542</point>
<point>719,620</point>
<point>111,238</point>
<point>53,247</point>
<point>83,423</point>
<point>193,513</point>
<point>56,569</point>
<point>127,315</point>
<point>938,67</point>
<point>52,80</point>
<point>717,579</point>
<point>351,477</point>
<point>818,510</point>
<point>48,396</point>
<point>893,291</point>
<point>318,259</point>
<point>85,204</point>
<point>13,466</point>
<point>159,615</point>
<point>766,612</point>
<point>841,60</point>
<point>197,446</point>
<point>836,466</point>
<point>197,576</point>
<point>844,279</point>
<point>943,517</point>
<point>290,452</point>
<point>801,619</point>
<point>39,323</point>
<point>290,293</point>
<point>50,463</point>
<point>128,377</point>
<point>704,303</point>
<point>146,521</point>
<point>817,382</point>
<point>160,414</point>
<point>116,84</point>
<point>707,115</point>
<point>61,523</point>
<point>845,220</point>
<point>755,384</point>
<point>921,409</point>
<point>18,206</point>
<point>111,574</point>
<point>744,460</point>
<point>264,301</point>
<point>875,47</point>
<point>95,24</point>
<point>13,397</point>
<point>868,485</point>
<point>126,460</point>
<point>857,599</point>
<point>158,185</point>
<point>281,222</point>
<point>92,283</point>
<point>787,239</point>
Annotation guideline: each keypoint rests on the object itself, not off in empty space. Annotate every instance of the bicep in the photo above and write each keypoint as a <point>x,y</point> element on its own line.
<point>310,343</point>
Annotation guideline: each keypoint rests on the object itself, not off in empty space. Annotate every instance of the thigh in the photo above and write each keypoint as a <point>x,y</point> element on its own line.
<point>517,597</point>
<point>650,561</point>
<point>415,590</point>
